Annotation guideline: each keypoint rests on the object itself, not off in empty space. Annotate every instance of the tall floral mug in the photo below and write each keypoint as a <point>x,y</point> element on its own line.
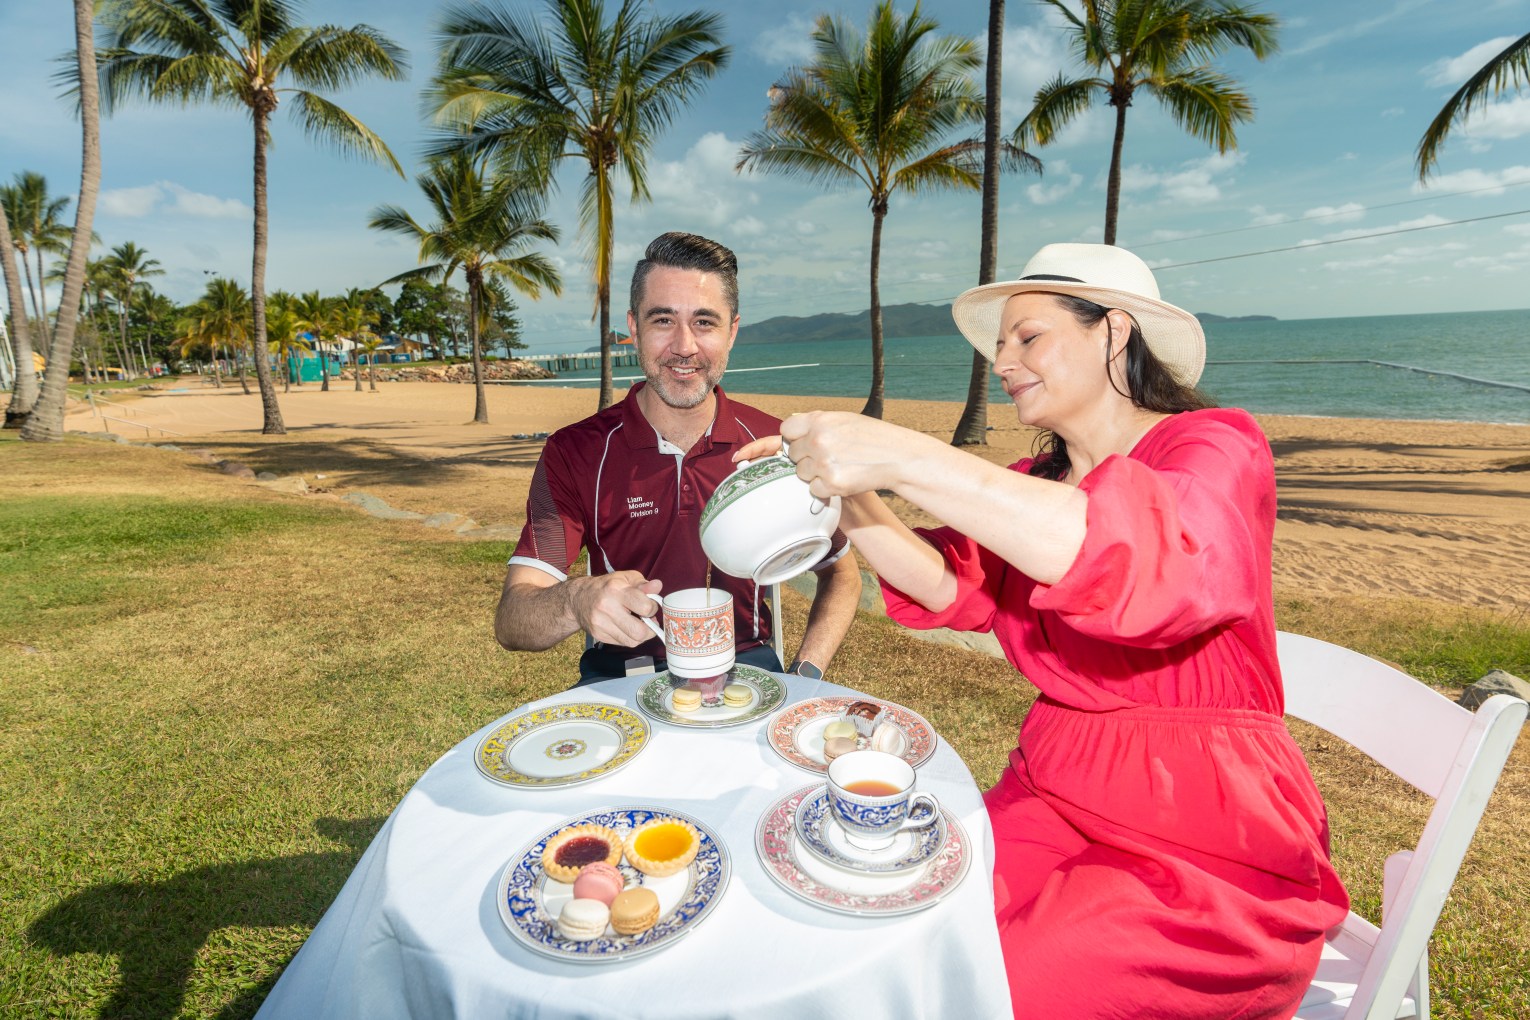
<point>698,636</point>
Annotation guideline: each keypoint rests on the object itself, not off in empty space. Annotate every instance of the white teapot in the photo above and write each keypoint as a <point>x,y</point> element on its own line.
<point>764,523</point>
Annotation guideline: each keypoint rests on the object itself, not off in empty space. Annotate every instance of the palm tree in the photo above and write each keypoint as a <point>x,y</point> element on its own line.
<point>128,265</point>
<point>875,108</point>
<point>972,427</point>
<point>37,227</point>
<point>236,53</point>
<point>353,320</point>
<point>24,389</point>
<point>485,228</point>
<point>1509,69</point>
<point>284,334</point>
<point>573,86</point>
<point>224,315</point>
<point>1162,46</point>
<point>317,315</point>
<point>46,422</point>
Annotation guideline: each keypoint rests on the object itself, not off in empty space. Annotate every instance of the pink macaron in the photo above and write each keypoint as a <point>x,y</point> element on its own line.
<point>599,881</point>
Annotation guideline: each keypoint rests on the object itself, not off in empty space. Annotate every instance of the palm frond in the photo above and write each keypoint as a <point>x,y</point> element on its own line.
<point>1207,104</point>
<point>1510,68</point>
<point>324,120</point>
<point>333,57</point>
<point>1055,105</point>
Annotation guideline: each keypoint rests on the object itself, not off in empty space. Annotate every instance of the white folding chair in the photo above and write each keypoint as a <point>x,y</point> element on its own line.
<point>1455,757</point>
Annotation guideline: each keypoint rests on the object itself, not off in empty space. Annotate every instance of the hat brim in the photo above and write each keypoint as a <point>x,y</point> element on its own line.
<point>1173,335</point>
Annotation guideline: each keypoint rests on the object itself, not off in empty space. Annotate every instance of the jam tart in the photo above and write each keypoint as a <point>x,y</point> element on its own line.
<point>570,850</point>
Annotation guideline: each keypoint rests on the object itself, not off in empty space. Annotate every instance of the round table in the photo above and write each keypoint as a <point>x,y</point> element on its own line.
<point>416,931</point>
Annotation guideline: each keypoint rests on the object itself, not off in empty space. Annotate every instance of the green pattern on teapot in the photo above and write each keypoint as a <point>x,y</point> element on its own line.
<point>742,482</point>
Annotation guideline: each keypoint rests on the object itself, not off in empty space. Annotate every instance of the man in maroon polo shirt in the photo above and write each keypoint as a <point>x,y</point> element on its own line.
<point>628,484</point>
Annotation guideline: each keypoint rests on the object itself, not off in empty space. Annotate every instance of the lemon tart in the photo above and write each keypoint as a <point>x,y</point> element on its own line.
<point>662,846</point>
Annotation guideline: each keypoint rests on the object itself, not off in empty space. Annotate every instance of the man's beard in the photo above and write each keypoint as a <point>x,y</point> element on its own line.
<point>690,393</point>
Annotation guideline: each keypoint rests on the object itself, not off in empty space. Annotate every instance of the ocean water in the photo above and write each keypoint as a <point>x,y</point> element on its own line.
<point>1471,366</point>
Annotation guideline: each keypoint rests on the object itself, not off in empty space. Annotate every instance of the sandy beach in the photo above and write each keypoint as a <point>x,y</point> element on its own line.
<point>1438,511</point>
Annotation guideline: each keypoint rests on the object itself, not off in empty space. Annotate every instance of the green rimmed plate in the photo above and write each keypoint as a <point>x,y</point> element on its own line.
<point>561,745</point>
<point>656,698</point>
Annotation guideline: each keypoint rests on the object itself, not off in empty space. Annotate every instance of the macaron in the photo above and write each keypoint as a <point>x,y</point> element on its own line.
<point>737,695</point>
<point>839,728</point>
<point>634,910</point>
<point>889,737</point>
<point>583,920</point>
<point>686,699</point>
<point>599,881</point>
<point>836,746</point>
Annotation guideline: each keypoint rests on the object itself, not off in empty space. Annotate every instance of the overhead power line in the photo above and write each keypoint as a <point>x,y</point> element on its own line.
<point>1342,240</point>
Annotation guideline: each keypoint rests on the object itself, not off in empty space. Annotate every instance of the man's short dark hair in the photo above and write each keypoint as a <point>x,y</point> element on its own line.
<point>676,250</point>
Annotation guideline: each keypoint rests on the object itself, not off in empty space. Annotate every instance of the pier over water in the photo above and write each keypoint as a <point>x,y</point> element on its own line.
<point>621,357</point>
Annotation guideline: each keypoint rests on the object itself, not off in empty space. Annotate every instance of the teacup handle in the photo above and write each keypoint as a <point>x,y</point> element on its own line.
<point>658,631</point>
<point>918,819</point>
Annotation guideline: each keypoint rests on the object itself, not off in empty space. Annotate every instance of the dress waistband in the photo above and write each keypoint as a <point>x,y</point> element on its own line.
<point>1190,715</point>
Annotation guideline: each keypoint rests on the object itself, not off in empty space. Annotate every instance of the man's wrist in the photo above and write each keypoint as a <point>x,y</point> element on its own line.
<point>802,667</point>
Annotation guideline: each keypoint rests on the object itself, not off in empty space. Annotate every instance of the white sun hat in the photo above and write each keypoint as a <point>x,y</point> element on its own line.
<point>1101,273</point>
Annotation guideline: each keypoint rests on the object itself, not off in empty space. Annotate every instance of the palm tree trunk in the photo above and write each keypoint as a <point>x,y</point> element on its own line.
<point>873,408</point>
<point>42,299</point>
<point>606,241</point>
<point>217,367</point>
<point>323,365</point>
<point>24,390</point>
<point>356,365</point>
<point>972,428</point>
<point>128,367</point>
<point>372,372</point>
<point>273,424</point>
<point>1113,186</point>
<point>244,375</point>
<point>46,421</point>
<point>42,325</point>
<point>480,398</point>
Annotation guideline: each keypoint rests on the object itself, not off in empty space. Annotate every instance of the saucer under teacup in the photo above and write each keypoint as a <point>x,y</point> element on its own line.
<point>821,834</point>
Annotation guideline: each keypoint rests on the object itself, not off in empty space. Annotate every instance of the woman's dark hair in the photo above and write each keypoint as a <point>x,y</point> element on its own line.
<point>1149,385</point>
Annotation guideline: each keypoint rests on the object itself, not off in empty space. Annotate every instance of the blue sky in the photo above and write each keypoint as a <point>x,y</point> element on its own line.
<point>1329,155</point>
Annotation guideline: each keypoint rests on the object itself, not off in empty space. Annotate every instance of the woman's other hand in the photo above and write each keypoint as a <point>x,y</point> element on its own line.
<point>765,446</point>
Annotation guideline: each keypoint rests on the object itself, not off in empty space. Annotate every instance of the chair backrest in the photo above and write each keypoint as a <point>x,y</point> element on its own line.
<point>1453,755</point>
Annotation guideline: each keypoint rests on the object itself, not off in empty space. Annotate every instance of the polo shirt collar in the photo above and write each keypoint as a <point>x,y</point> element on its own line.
<point>639,433</point>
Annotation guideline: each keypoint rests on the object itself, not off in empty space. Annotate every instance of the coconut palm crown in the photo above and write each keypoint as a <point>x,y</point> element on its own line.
<point>571,84</point>
<point>1509,69</point>
<point>243,54</point>
<point>483,226</point>
<point>1162,47</point>
<point>877,108</point>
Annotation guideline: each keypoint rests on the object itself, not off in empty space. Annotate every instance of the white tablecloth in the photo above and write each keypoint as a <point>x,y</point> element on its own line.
<point>416,932</point>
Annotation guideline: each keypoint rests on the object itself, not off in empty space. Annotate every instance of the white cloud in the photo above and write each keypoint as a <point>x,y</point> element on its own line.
<point>1195,184</point>
<point>701,187</point>
<point>1354,30</point>
<point>1264,218</point>
<point>1406,255</point>
<point>1060,182</point>
<point>146,200</point>
<point>1485,182</point>
<point>1453,71</point>
<point>1518,230</point>
<point>1346,213</point>
<point>1393,111</point>
<point>790,43</point>
<point>130,202</point>
<point>1431,220</point>
<point>1501,119</point>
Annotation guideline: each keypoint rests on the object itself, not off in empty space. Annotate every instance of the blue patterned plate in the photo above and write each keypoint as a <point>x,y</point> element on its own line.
<point>529,902</point>
<point>819,832</point>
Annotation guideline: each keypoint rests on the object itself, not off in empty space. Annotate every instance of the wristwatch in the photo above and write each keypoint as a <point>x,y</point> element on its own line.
<point>802,667</point>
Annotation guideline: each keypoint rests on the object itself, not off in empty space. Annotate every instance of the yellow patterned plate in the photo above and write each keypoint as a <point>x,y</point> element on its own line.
<point>561,745</point>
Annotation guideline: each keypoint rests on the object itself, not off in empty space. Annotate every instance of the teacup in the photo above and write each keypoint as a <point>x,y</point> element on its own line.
<point>871,796</point>
<point>698,636</point>
<point>764,523</point>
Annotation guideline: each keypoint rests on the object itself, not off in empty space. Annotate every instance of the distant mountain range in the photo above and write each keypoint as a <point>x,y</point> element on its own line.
<point>897,321</point>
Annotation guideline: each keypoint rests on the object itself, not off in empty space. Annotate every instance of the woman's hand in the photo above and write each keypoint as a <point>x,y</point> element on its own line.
<point>765,446</point>
<point>842,454</point>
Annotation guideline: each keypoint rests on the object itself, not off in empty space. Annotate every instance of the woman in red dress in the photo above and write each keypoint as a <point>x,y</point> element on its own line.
<point>1161,849</point>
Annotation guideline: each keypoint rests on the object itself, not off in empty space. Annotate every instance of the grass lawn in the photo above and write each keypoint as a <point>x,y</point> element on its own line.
<point>213,695</point>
